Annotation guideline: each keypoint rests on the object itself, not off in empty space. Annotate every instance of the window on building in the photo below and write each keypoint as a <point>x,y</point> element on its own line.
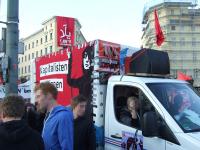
<point>193,41</point>
<point>46,51</point>
<point>25,69</point>
<point>25,47</point>
<point>29,46</point>
<point>51,49</point>
<point>41,52</point>
<point>182,41</point>
<point>18,60</point>
<point>29,69</point>
<point>172,11</point>
<point>19,71</point>
<point>22,70</point>
<point>51,25</point>
<point>195,72</point>
<point>29,56</point>
<point>41,41</point>
<point>173,28</point>
<point>22,59</point>
<point>195,55</point>
<point>193,27</point>
<point>32,44</point>
<point>173,41</point>
<point>46,38</point>
<point>173,72</point>
<point>51,36</point>
<point>25,59</point>
<point>36,54</point>
<point>182,27</point>
<point>36,42</point>
<point>32,55</point>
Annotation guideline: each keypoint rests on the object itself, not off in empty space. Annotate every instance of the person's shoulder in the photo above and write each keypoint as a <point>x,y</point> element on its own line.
<point>65,112</point>
<point>35,135</point>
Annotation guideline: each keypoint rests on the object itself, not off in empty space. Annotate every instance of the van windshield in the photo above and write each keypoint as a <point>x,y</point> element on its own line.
<point>182,102</point>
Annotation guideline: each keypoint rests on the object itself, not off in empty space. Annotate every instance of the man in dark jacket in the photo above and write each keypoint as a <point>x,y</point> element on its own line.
<point>14,132</point>
<point>84,135</point>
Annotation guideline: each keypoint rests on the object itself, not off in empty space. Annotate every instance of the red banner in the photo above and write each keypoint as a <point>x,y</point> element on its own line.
<point>65,31</point>
<point>70,72</point>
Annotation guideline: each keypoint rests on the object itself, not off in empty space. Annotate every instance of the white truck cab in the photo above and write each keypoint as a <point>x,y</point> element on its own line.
<point>169,114</point>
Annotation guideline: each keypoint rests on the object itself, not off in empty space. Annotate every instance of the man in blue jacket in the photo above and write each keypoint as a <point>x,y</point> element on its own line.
<point>58,124</point>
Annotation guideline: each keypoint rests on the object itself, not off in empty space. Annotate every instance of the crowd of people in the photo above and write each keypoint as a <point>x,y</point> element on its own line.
<point>45,125</point>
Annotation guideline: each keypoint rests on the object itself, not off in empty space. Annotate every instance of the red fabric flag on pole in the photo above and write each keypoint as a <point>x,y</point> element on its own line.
<point>159,34</point>
<point>182,76</point>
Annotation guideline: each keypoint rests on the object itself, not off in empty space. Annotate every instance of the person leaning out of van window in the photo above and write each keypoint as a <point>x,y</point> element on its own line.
<point>129,114</point>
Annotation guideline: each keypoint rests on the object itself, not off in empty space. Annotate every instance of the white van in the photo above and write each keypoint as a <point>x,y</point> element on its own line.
<point>169,114</point>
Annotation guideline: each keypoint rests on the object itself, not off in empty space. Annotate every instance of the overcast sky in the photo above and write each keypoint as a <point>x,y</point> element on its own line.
<point>112,20</point>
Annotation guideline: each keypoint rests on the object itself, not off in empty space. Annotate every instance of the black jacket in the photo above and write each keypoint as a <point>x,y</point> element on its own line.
<point>84,134</point>
<point>126,118</point>
<point>16,135</point>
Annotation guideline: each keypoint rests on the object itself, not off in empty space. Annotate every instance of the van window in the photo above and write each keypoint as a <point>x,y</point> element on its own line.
<point>181,101</point>
<point>127,105</point>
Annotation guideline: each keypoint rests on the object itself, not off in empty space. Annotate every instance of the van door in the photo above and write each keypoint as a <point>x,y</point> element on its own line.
<point>121,133</point>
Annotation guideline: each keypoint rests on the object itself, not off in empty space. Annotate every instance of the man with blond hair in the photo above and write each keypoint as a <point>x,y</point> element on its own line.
<point>58,124</point>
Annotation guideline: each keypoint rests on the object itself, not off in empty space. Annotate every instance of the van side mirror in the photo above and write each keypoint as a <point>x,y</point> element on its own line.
<point>150,124</point>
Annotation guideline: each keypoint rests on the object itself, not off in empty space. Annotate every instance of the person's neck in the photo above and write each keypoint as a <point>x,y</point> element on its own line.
<point>52,105</point>
<point>7,119</point>
<point>75,115</point>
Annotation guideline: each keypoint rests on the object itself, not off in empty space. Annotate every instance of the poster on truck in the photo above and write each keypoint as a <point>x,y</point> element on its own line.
<point>109,54</point>
<point>69,70</point>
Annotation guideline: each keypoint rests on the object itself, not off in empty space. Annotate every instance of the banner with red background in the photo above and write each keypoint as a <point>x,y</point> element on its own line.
<point>65,31</point>
<point>57,68</point>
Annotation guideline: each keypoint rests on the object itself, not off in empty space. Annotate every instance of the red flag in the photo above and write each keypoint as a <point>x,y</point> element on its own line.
<point>182,76</point>
<point>159,34</point>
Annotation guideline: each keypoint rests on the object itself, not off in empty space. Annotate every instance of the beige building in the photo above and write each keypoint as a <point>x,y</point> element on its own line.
<point>41,43</point>
<point>180,22</point>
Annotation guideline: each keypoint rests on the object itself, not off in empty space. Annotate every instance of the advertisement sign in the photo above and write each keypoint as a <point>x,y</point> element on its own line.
<point>69,71</point>
<point>109,54</point>
<point>65,31</point>
<point>131,141</point>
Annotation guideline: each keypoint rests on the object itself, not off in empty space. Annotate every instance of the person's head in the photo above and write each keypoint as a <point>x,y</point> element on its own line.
<point>12,108</point>
<point>132,103</point>
<point>79,105</point>
<point>45,95</point>
<point>178,101</point>
<point>87,58</point>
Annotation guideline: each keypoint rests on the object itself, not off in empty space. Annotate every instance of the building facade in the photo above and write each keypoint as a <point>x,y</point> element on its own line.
<point>180,22</point>
<point>43,42</point>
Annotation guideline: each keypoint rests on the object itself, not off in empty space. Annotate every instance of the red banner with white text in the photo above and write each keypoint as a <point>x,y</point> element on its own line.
<point>65,31</point>
<point>69,71</point>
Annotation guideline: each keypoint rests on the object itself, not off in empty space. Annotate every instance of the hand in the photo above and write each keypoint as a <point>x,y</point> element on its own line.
<point>68,53</point>
<point>134,114</point>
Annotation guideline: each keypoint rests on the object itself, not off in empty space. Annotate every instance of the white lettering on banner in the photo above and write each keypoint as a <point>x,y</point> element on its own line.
<point>60,67</point>
<point>58,83</point>
<point>65,39</point>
